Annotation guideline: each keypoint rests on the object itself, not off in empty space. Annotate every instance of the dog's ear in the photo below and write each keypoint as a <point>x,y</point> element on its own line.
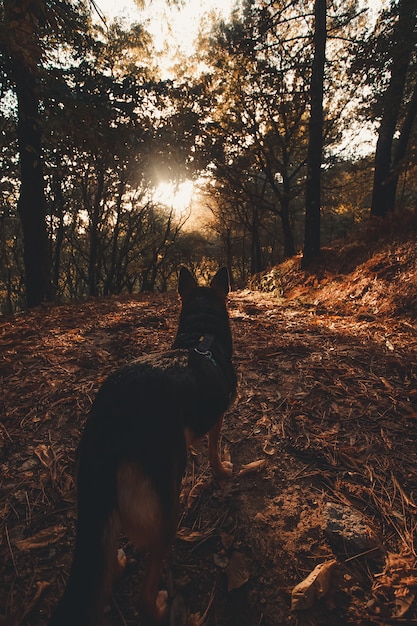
<point>220,282</point>
<point>186,282</point>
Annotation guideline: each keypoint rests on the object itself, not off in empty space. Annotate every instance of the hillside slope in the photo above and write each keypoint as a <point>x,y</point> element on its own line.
<point>373,273</point>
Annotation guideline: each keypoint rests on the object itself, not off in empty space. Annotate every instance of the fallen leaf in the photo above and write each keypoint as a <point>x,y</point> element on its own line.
<point>252,467</point>
<point>316,585</point>
<point>44,455</point>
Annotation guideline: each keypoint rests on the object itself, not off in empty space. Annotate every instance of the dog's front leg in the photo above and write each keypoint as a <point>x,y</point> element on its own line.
<point>221,469</point>
<point>153,601</point>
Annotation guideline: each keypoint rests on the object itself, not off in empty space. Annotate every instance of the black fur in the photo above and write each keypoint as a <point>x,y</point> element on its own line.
<point>135,445</point>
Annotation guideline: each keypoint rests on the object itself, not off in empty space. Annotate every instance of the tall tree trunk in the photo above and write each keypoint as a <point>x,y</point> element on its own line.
<point>401,149</point>
<point>289,247</point>
<point>402,47</point>
<point>31,205</point>
<point>256,264</point>
<point>59,205</point>
<point>113,280</point>
<point>22,54</point>
<point>149,274</point>
<point>57,251</point>
<point>93,255</point>
<point>5,263</point>
<point>315,144</point>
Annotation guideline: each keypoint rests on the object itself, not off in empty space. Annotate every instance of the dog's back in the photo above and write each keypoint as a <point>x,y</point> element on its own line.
<point>133,452</point>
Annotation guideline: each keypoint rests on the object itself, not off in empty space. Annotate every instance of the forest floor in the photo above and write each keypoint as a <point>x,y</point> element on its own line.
<point>323,439</point>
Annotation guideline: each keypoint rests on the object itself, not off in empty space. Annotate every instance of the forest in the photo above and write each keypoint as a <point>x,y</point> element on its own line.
<point>294,122</point>
<point>284,146</point>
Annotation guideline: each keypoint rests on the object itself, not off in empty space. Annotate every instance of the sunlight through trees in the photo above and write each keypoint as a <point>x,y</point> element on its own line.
<point>102,149</point>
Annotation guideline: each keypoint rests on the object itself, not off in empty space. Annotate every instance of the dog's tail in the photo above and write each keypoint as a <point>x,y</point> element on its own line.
<point>95,552</point>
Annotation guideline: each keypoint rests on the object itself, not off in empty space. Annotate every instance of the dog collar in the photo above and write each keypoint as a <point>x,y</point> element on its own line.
<point>203,347</point>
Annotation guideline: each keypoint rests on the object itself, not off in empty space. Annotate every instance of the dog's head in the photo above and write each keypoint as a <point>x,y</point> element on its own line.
<point>204,311</point>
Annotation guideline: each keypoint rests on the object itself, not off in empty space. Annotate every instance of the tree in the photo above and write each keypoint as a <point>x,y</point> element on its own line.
<point>315,144</point>
<point>387,161</point>
<point>262,86</point>
<point>21,52</point>
<point>257,116</point>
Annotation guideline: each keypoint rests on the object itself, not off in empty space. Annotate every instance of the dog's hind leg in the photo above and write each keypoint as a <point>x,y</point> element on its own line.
<point>221,469</point>
<point>93,569</point>
<point>94,564</point>
<point>151,527</point>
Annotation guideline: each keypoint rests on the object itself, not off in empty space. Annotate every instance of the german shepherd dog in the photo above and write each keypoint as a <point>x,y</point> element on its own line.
<point>133,452</point>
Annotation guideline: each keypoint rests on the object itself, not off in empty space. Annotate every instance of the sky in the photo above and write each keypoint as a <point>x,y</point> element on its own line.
<point>179,24</point>
<point>176,26</point>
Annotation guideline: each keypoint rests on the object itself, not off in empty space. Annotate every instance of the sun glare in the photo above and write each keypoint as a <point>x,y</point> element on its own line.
<point>174,27</point>
<point>176,196</point>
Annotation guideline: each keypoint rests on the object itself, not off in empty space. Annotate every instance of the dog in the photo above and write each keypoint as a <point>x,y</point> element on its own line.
<point>133,452</point>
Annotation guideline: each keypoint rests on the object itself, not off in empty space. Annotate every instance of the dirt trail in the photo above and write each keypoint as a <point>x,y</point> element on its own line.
<point>326,417</point>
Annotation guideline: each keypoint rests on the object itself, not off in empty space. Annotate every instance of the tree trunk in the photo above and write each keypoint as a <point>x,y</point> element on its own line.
<point>256,264</point>
<point>31,205</point>
<point>401,149</point>
<point>93,256</point>
<point>22,52</point>
<point>403,43</point>
<point>228,247</point>
<point>59,205</point>
<point>6,273</point>
<point>289,247</point>
<point>113,280</point>
<point>149,275</point>
<point>315,144</point>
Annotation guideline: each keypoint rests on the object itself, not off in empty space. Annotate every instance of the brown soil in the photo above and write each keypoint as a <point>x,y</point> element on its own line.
<point>326,413</point>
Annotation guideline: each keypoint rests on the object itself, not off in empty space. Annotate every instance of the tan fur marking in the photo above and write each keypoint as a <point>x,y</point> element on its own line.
<point>139,507</point>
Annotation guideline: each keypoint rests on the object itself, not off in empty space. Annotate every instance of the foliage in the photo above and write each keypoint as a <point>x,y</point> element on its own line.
<point>236,116</point>
<point>258,77</point>
<point>110,130</point>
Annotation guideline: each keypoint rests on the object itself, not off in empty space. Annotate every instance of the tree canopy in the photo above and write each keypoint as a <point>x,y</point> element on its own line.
<point>90,127</point>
